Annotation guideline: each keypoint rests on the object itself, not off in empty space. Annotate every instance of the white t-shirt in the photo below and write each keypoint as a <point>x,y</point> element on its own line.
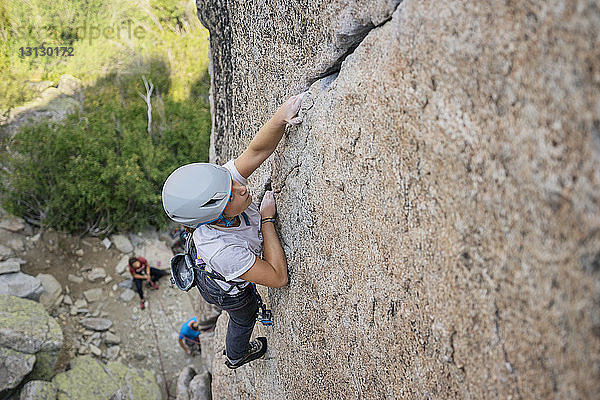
<point>231,251</point>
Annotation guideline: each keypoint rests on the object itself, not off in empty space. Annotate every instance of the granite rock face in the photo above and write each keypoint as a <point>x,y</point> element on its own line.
<point>440,204</point>
<point>27,329</point>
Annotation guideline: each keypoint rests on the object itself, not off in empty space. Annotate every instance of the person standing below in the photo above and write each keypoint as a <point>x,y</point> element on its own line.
<point>230,231</point>
<point>141,272</point>
<point>189,335</point>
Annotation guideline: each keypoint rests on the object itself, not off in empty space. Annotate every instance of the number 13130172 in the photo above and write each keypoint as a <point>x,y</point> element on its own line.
<point>43,51</point>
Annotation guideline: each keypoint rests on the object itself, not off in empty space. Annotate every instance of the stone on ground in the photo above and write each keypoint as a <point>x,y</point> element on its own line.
<point>12,224</point>
<point>123,265</point>
<point>96,324</point>
<point>21,285</point>
<point>14,366</point>
<point>5,252</point>
<point>26,327</point>
<point>88,378</point>
<point>9,266</point>
<point>74,278</point>
<point>80,303</point>
<point>96,273</point>
<point>110,338</point>
<point>199,388</point>
<point>16,244</point>
<point>183,382</point>
<point>122,243</point>
<point>52,290</point>
<point>127,295</point>
<point>92,295</point>
<point>38,390</point>
<point>112,352</point>
<point>127,283</point>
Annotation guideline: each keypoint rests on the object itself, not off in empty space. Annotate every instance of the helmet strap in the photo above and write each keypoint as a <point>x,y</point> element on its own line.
<point>225,221</point>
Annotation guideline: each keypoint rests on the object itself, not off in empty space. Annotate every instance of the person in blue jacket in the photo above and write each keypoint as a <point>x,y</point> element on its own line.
<point>189,335</point>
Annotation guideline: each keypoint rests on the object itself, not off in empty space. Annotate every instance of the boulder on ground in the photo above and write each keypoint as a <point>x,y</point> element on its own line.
<point>122,243</point>
<point>69,85</point>
<point>38,390</point>
<point>96,273</point>
<point>156,252</point>
<point>88,378</point>
<point>5,252</point>
<point>97,324</point>
<point>12,224</point>
<point>26,327</point>
<point>199,388</point>
<point>80,303</point>
<point>9,266</point>
<point>16,244</point>
<point>21,285</point>
<point>52,290</point>
<point>123,265</point>
<point>110,338</point>
<point>95,350</point>
<point>113,352</point>
<point>127,284</point>
<point>183,382</point>
<point>14,366</point>
<point>74,278</point>
<point>92,295</point>
<point>127,295</point>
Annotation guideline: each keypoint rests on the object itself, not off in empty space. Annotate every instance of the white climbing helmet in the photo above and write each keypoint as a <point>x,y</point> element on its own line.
<point>197,193</point>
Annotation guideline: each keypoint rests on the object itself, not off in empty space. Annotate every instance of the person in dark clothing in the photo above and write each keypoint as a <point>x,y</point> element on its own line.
<point>141,271</point>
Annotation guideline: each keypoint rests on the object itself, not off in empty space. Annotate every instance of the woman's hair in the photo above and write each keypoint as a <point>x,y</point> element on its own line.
<point>132,260</point>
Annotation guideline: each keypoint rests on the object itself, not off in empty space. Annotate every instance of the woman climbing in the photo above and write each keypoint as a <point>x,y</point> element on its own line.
<point>214,200</point>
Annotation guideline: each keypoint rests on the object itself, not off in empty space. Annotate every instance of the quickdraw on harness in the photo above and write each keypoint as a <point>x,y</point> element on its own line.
<point>187,268</point>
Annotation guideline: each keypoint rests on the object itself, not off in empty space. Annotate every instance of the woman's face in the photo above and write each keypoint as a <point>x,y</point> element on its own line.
<point>136,264</point>
<point>238,202</point>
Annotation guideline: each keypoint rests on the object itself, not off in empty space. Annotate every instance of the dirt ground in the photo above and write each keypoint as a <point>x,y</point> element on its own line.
<point>148,337</point>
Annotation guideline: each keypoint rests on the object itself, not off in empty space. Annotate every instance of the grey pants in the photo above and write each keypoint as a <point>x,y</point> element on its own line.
<point>242,309</point>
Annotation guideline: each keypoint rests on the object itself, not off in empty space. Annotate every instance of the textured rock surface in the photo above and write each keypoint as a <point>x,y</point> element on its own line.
<point>90,379</point>
<point>122,243</point>
<point>5,252</point>
<point>183,381</point>
<point>20,285</point>
<point>38,390</point>
<point>26,327</point>
<point>14,366</point>
<point>97,324</point>
<point>440,204</point>
<point>9,266</point>
<point>92,295</point>
<point>200,388</point>
<point>52,290</point>
<point>95,274</point>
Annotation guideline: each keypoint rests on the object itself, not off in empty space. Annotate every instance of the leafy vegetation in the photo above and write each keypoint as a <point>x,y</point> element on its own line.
<point>103,168</point>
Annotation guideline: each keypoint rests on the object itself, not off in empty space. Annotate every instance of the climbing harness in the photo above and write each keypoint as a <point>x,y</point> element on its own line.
<point>187,268</point>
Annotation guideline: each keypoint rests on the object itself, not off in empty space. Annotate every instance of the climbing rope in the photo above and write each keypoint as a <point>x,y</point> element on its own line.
<point>162,367</point>
<point>166,315</point>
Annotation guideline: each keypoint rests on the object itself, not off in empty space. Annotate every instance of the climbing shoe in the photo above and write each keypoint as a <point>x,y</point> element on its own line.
<point>257,349</point>
<point>142,304</point>
<point>154,285</point>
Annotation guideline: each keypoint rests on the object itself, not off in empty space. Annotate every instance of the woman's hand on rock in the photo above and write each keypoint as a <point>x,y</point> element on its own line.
<point>288,112</point>
<point>267,205</point>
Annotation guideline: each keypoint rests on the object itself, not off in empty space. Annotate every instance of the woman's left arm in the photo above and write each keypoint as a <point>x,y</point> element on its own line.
<point>268,137</point>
